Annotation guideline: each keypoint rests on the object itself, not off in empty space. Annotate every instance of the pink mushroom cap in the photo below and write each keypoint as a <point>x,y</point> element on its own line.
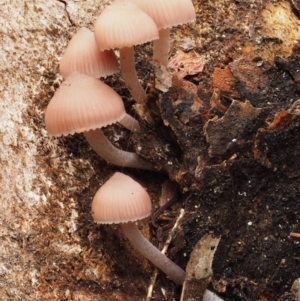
<point>168,13</point>
<point>123,24</point>
<point>82,55</point>
<point>120,200</point>
<point>82,103</point>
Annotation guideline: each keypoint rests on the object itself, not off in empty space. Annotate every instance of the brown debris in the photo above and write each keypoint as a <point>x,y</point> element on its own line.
<point>215,103</point>
<point>278,148</point>
<point>264,85</point>
<point>163,79</point>
<point>224,80</point>
<point>282,120</point>
<point>169,190</point>
<point>291,65</point>
<point>238,125</point>
<point>248,74</point>
<point>187,63</point>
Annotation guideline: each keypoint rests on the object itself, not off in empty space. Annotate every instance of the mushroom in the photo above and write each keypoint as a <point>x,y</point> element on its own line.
<point>123,25</point>
<point>166,13</point>
<point>122,200</point>
<point>82,55</point>
<point>85,104</point>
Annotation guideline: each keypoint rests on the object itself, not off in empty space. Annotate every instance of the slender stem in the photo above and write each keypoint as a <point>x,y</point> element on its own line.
<point>173,271</point>
<point>130,123</point>
<point>108,152</point>
<point>161,47</point>
<point>210,296</point>
<point>129,74</point>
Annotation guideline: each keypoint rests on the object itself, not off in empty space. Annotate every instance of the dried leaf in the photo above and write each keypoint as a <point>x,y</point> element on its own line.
<point>187,63</point>
<point>199,269</point>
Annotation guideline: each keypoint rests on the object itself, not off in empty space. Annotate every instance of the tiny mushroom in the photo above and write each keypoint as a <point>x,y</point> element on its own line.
<point>166,13</point>
<point>82,55</point>
<point>85,104</point>
<point>123,200</point>
<point>123,25</point>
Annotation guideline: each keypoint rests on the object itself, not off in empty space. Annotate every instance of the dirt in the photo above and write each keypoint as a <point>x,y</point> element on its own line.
<point>238,175</point>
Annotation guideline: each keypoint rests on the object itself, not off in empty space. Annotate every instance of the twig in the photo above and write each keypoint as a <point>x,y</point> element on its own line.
<point>163,251</point>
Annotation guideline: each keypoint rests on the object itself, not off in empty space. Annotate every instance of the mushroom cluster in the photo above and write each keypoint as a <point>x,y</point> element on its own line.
<point>84,104</point>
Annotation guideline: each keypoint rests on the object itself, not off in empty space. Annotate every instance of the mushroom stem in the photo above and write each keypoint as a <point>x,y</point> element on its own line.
<point>129,74</point>
<point>130,123</point>
<point>108,152</point>
<point>173,271</point>
<point>161,47</point>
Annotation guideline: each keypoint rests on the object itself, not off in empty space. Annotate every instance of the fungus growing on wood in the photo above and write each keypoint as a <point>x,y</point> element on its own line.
<point>82,55</point>
<point>123,25</point>
<point>122,200</point>
<point>166,14</point>
<point>85,104</point>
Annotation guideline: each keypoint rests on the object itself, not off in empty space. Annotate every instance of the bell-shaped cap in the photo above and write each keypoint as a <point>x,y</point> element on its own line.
<point>82,103</point>
<point>123,24</point>
<point>120,200</point>
<point>168,13</point>
<point>82,55</point>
